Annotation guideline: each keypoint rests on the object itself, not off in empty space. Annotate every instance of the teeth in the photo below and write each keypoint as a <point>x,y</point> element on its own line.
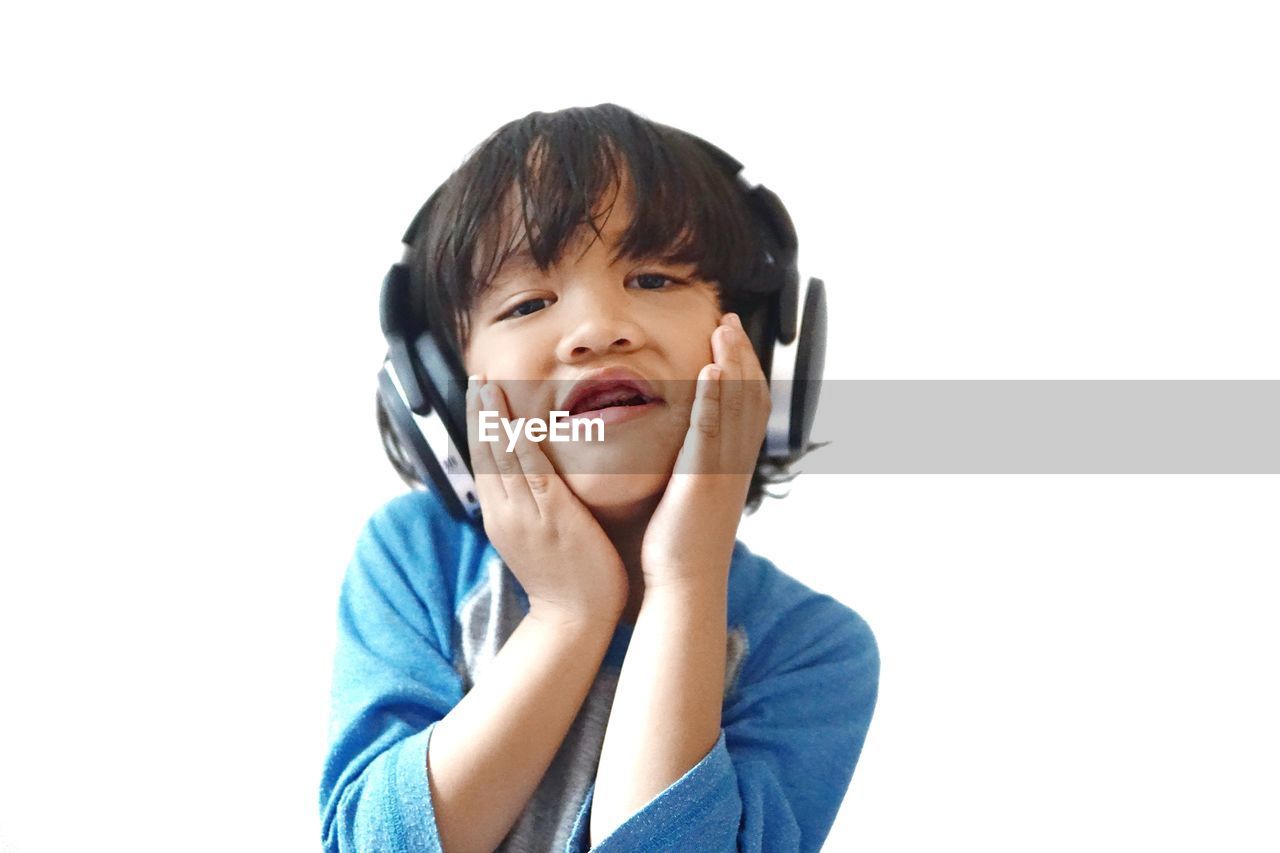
<point>603,399</point>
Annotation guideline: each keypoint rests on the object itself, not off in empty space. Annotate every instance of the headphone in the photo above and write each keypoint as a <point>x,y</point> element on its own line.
<point>422,386</point>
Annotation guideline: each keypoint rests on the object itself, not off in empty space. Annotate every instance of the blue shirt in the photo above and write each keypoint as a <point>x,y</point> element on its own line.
<point>427,602</point>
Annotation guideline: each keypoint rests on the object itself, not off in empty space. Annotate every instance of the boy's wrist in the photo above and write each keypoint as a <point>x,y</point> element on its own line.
<point>704,573</point>
<point>571,618</point>
<point>687,586</point>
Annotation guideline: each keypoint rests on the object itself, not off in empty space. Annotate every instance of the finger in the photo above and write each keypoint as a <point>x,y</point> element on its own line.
<point>700,453</point>
<point>481,457</point>
<point>750,361</point>
<point>513,480</point>
<point>541,478</point>
<point>746,401</point>
<point>488,483</point>
<point>757,402</point>
<point>726,345</point>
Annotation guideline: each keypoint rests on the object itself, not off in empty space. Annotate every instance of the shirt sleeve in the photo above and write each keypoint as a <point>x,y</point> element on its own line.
<point>392,681</point>
<point>791,734</point>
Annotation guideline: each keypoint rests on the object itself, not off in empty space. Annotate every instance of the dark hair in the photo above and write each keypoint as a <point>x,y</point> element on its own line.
<point>548,174</point>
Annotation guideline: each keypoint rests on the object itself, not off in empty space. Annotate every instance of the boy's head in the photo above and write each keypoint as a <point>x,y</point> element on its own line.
<point>584,239</point>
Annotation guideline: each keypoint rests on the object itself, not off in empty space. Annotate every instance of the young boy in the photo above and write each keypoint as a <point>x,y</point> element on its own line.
<point>603,666</point>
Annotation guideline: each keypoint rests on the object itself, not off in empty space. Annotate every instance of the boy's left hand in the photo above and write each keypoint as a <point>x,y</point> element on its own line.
<point>691,535</point>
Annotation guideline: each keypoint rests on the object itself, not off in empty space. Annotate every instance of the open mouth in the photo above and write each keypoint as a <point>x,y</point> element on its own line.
<point>614,405</point>
<point>612,395</point>
<point>611,398</point>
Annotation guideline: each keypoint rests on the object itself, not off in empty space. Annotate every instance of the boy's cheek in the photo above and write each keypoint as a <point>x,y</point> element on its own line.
<point>680,393</point>
<point>527,398</point>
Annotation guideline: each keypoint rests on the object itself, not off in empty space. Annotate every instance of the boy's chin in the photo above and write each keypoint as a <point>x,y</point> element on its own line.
<point>617,497</point>
<point>620,480</point>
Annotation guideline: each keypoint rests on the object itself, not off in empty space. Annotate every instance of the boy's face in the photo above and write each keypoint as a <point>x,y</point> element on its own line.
<point>535,335</point>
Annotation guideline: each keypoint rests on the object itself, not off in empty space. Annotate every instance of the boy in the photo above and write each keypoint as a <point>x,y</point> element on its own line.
<point>605,666</point>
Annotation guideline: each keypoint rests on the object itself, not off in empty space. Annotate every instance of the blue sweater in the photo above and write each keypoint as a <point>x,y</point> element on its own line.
<point>427,603</point>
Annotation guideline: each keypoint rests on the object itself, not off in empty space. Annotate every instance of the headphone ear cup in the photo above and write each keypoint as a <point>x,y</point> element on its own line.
<point>422,391</point>
<point>447,474</point>
<point>402,362</point>
<point>811,358</point>
<point>797,379</point>
<point>445,386</point>
<point>392,310</point>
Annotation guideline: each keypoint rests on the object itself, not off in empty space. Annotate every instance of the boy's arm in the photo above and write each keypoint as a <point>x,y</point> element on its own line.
<point>488,755</point>
<point>792,730</point>
<point>666,711</point>
<point>397,697</point>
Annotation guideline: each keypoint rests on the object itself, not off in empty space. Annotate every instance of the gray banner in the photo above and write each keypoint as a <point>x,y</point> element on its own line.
<point>1047,427</point>
<point>976,426</point>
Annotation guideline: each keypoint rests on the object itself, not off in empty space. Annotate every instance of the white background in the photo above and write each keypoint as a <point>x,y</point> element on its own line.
<point>199,203</point>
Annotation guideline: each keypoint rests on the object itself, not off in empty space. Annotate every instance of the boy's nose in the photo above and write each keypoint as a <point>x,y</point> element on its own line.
<point>598,329</point>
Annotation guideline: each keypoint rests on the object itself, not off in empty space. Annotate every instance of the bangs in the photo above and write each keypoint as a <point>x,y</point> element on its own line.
<point>538,182</point>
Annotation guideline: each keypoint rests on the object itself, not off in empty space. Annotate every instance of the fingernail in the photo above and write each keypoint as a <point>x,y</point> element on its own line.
<point>472,381</point>
<point>735,320</point>
<point>488,395</point>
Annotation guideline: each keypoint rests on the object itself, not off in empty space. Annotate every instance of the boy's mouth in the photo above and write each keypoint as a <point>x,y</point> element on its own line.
<point>601,400</point>
<point>613,415</point>
<point>614,388</point>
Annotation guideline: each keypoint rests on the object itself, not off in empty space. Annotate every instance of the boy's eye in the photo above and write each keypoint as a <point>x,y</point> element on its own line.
<point>525,308</point>
<point>653,280</point>
<point>643,281</point>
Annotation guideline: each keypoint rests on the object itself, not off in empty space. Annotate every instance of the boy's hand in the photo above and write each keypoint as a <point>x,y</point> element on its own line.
<point>691,535</point>
<point>551,542</point>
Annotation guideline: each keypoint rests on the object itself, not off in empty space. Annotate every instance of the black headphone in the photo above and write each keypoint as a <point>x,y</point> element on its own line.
<point>422,386</point>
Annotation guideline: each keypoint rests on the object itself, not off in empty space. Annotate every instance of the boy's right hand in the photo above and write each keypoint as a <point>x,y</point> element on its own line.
<point>547,537</point>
